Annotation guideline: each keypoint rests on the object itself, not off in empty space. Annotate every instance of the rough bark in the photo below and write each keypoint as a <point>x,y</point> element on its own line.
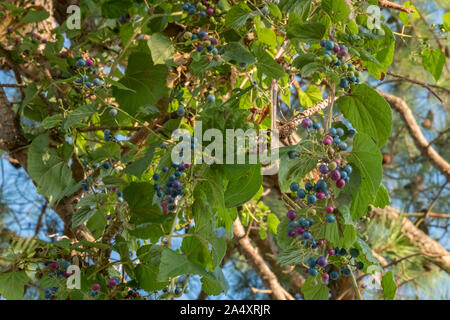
<point>254,258</point>
<point>414,130</point>
<point>429,247</point>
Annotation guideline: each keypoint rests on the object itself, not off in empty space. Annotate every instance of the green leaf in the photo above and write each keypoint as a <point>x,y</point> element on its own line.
<point>197,251</point>
<point>51,174</point>
<point>332,232</point>
<point>139,166</point>
<point>12,285</point>
<point>115,8</point>
<point>266,64</point>
<point>310,96</point>
<point>272,223</point>
<point>161,48</point>
<point>146,276</point>
<point>274,10</point>
<point>368,112</point>
<point>367,158</point>
<point>118,84</point>
<point>433,61</point>
<point>243,188</point>
<point>238,15</point>
<point>282,239</point>
<point>382,199</point>
<point>51,121</point>
<point>296,169</point>
<point>308,69</point>
<point>214,283</point>
<point>139,196</point>
<point>267,36</point>
<point>300,7</point>
<point>109,150</point>
<point>338,10</point>
<point>35,16</point>
<point>237,52</point>
<point>446,21</point>
<point>82,215</point>
<point>366,250</point>
<point>308,31</point>
<point>174,264</point>
<point>113,181</point>
<point>78,115</point>
<point>314,289</point>
<point>389,285</point>
<point>146,79</point>
<point>408,17</point>
<point>303,59</point>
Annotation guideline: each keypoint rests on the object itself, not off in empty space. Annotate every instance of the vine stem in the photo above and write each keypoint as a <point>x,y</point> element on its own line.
<point>355,286</point>
<point>330,111</point>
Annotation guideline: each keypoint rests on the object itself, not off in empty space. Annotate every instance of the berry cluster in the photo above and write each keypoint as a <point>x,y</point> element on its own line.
<point>203,9</point>
<point>333,53</point>
<point>87,66</point>
<point>201,41</point>
<point>172,189</point>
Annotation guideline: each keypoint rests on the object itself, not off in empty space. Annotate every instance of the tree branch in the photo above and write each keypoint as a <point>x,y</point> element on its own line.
<point>259,265</point>
<point>416,133</point>
<point>428,246</point>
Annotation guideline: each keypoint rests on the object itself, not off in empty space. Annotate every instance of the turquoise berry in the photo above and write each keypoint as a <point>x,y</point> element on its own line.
<point>331,218</point>
<point>301,193</point>
<point>311,199</point>
<point>334,275</point>
<point>329,44</point>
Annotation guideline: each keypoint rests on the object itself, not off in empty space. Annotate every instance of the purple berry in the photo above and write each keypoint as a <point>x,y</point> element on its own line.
<point>299,230</point>
<point>54,265</point>
<point>112,282</point>
<point>336,48</point>
<point>306,123</point>
<point>291,233</point>
<point>323,169</point>
<point>210,11</point>
<point>330,209</point>
<point>322,261</point>
<point>331,252</point>
<point>325,277</point>
<point>89,63</point>
<point>335,175</point>
<point>291,214</point>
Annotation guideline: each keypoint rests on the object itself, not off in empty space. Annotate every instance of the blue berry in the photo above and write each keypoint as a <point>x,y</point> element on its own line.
<point>327,52</point>
<point>211,98</point>
<point>106,165</point>
<point>312,271</point>
<point>165,169</point>
<point>317,125</point>
<point>181,111</point>
<point>332,132</point>
<point>203,13</point>
<point>210,48</point>
<point>292,224</point>
<point>342,146</point>
<point>354,252</point>
<point>346,271</point>
<point>344,174</point>
<point>348,168</point>
<point>301,193</point>
<point>338,63</point>
<point>311,199</point>
<point>359,265</point>
<point>308,186</point>
<point>156,177</point>
<point>331,218</point>
<point>323,168</point>
<point>339,132</point>
<point>294,186</point>
<point>334,275</point>
<point>156,186</point>
<point>307,235</point>
<point>312,262</point>
<point>343,83</point>
<point>80,63</point>
<point>199,48</point>
<point>342,252</point>
<point>322,43</point>
<point>292,154</point>
<point>202,33</point>
<point>329,44</point>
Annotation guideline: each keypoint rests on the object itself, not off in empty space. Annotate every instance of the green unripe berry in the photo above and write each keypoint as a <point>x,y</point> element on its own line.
<point>187,35</point>
<point>218,11</point>
<point>352,68</point>
<point>357,73</point>
<point>207,43</point>
<point>222,20</point>
<point>351,74</point>
<point>311,211</point>
<point>332,165</point>
<point>328,59</point>
<point>334,59</point>
<point>213,20</point>
<point>344,67</point>
<point>371,207</point>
